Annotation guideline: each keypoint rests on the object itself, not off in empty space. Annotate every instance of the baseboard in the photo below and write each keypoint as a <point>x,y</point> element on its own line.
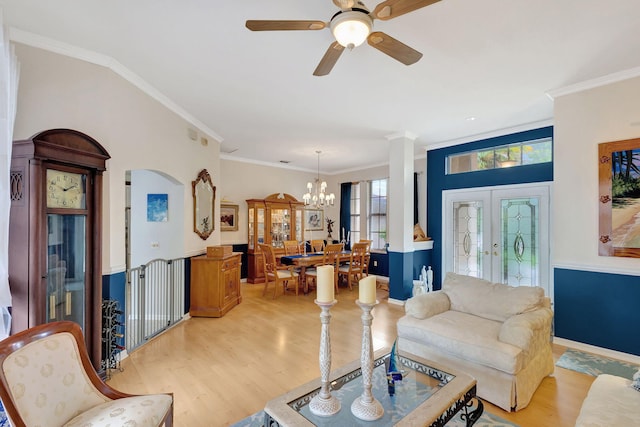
<point>626,357</point>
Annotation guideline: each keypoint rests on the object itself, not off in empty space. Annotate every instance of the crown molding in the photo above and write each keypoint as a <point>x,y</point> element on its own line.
<point>491,134</point>
<point>594,83</point>
<point>402,135</point>
<point>34,40</point>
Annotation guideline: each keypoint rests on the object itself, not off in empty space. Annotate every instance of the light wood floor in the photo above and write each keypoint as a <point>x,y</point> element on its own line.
<point>222,370</point>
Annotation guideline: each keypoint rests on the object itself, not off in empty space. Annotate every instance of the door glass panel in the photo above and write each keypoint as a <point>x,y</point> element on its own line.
<point>519,237</point>
<point>467,247</point>
<point>66,255</point>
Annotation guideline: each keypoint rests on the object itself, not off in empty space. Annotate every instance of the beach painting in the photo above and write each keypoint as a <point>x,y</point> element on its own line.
<point>620,194</point>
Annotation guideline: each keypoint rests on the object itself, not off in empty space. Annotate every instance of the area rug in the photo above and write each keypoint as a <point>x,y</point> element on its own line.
<point>486,420</point>
<point>3,417</point>
<point>595,365</point>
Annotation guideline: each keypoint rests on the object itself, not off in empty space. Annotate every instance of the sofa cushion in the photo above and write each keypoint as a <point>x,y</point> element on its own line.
<point>465,336</point>
<point>610,402</point>
<point>426,305</point>
<point>493,301</point>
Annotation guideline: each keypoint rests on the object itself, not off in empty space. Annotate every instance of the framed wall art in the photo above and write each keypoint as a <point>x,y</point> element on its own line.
<point>157,207</point>
<point>228,217</point>
<point>619,198</point>
<point>313,219</point>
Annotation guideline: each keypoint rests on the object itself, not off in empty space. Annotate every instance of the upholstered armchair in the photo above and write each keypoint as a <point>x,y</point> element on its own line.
<point>47,379</point>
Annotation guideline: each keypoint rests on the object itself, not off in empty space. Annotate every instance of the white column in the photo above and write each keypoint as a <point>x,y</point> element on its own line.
<point>400,202</point>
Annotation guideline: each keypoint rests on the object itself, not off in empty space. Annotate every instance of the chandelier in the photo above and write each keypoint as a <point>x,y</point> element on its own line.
<point>317,197</point>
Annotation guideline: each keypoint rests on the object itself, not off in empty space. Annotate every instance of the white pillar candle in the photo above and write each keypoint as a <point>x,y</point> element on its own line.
<point>324,292</point>
<point>367,289</point>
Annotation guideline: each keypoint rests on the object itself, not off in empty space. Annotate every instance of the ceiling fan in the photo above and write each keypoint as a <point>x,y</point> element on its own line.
<point>351,26</point>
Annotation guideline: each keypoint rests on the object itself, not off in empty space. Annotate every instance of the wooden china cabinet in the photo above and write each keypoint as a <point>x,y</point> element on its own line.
<point>272,220</point>
<point>55,229</point>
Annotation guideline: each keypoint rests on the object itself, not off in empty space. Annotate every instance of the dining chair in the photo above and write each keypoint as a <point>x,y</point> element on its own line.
<point>367,257</point>
<point>331,256</point>
<point>317,245</point>
<point>47,379</point>
<point>354,271</point>
<point>276,273</point>
<point>291,247</point>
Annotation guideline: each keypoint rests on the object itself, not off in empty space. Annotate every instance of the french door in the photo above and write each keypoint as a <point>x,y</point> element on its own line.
<point>499,234</point>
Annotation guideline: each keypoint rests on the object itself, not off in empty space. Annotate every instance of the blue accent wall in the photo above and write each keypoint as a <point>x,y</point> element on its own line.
<point>114,287</point>
<point>244,268</point>
<point>382,261</point>
<point>421,258</point>
<point>438,181</point>
<point>600,309</point>
<point>187,284</point>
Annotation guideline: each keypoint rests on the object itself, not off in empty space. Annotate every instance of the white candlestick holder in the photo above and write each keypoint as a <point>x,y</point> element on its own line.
<point>366,407</point>
<point>324,404</point>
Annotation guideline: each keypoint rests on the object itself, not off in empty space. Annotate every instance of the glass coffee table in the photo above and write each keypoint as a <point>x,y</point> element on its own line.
<point>427,395</point>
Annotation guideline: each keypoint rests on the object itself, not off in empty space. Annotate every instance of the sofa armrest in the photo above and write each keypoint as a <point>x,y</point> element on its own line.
<point>526,329</point>
<point>426,305</point>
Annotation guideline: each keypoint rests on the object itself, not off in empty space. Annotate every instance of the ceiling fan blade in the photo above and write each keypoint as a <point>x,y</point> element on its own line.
<point>258,25</point>
<point>390,9</point>
<point>329,59</point>
<point>394,48</point>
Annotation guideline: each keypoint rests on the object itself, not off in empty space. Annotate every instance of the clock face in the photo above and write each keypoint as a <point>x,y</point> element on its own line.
<point>65,189</point>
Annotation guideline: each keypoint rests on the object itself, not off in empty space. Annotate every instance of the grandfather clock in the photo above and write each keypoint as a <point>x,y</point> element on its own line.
<point>55,227</point>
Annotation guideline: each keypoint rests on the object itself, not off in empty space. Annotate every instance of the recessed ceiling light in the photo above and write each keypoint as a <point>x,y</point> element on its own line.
<point>470,118</point>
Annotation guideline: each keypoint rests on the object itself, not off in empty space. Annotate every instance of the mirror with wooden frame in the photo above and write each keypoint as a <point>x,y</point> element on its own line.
<point>204,199</point>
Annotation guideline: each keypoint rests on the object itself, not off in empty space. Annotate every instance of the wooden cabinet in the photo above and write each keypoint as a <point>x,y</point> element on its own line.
<point>215,284</point>
<point>272,220</point>
<point>55,233</point>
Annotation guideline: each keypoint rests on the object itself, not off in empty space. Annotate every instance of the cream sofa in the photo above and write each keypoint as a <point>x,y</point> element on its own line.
<point>611,401</point>
<point>499,334</point>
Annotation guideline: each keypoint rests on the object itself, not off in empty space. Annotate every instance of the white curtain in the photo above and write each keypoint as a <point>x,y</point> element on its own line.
<point>8,99</point>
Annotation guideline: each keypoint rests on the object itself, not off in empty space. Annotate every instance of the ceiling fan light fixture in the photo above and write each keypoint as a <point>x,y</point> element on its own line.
<point>351,28</point>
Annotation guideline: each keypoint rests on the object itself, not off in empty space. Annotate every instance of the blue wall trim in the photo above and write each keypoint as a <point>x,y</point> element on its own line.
<point>400,275</point>
<point>438,181</point>
<point>600,309</point>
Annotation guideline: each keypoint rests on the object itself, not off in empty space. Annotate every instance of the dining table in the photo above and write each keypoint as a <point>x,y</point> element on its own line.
<point>309,259</point>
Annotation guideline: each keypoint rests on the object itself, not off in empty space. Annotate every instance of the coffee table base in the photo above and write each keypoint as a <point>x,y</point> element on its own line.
<point>462,407</point>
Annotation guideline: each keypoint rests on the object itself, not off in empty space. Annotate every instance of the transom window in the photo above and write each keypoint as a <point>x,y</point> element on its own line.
<point>503,156</point>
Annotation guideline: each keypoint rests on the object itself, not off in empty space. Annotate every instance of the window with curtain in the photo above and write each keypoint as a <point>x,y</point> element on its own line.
<point>377,215</point>
<point>355,213</point>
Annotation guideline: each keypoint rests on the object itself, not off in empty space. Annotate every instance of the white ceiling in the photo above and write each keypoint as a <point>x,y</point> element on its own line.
<point>494,60</point>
